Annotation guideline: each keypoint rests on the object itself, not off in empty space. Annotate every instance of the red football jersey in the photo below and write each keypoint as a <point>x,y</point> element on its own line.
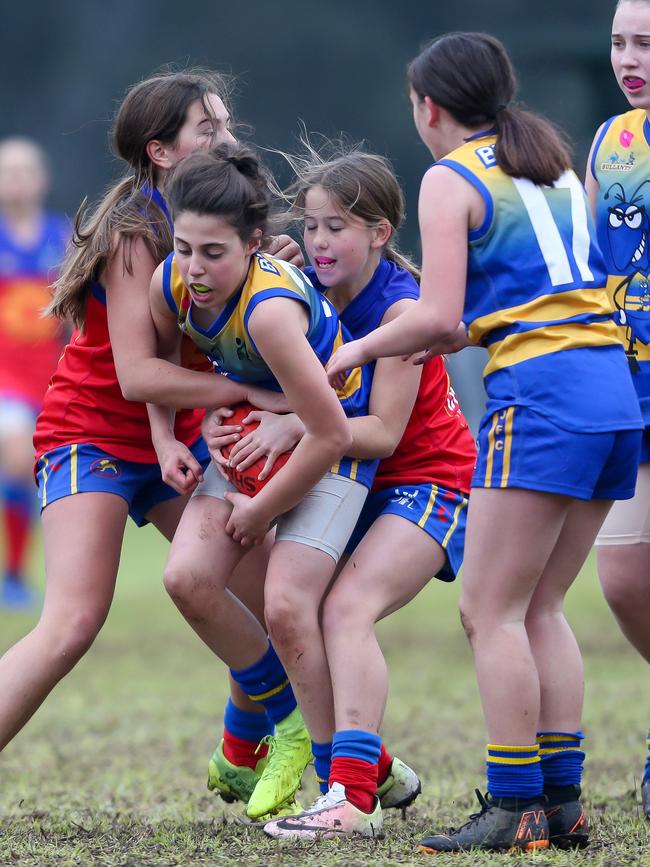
<point>29,343</point>
<point>437,445</point>
<point>84,403</point>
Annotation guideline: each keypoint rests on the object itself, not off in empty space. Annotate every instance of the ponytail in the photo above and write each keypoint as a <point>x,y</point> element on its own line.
<point>126,210</point>
<point>528,145</point>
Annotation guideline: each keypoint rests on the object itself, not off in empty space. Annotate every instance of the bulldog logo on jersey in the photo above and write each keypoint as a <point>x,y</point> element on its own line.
<point>627,234</point>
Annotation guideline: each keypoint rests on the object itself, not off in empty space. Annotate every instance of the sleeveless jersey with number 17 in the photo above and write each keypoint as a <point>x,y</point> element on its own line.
<point>536,298</point>
<point>229,346</point>
<point>621,165</point>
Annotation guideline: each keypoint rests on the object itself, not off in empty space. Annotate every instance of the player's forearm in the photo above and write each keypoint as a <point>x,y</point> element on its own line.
<point>415,330</point>
<point>371,438</point>
<point>312,458</point>
<point>163,383</point>
<point>161,422</point>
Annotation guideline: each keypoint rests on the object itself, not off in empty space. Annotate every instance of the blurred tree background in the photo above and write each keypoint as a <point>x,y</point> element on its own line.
<point>338,65</point>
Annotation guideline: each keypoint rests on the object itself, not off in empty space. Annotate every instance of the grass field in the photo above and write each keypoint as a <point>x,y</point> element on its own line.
<point>112,770</point>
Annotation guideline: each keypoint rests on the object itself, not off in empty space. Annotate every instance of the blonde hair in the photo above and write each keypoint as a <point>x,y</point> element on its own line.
<point>363,184</point>
<point>155,108</point>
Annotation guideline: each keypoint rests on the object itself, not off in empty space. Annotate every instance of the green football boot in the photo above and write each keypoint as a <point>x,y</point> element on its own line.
<point>288,756</point>
<point>233,782</point>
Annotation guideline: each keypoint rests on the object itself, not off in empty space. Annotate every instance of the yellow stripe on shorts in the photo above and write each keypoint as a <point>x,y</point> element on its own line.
<point>427,511</point>
<point>507,446</point>
<point>454,523</point>
<point>46,464</point>
<point>490,456</point>
<point>73,469</point>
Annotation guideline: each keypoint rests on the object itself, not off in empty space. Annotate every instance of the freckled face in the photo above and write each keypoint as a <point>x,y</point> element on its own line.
<point>338,245</point>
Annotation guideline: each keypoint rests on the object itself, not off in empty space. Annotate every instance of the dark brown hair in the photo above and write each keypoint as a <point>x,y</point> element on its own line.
<point>470,75</point>
<point>228,181</point>
<point>156,108</point>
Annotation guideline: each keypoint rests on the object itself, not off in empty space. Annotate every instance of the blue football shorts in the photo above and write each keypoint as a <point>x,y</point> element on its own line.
<point>438,511</point>
<point>84,468</point>
<point>519,448</point>
<point>645,447</point>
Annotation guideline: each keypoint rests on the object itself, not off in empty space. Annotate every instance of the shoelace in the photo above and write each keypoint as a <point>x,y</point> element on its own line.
<point>329,799</point>
<point>275,745</point>
<point>485,806</point>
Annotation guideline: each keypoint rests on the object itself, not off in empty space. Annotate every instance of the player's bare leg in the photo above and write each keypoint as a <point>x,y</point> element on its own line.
<point>504,561</point>
<point>201,561</point>
<point>246,581</point>
<point>559,665</point>
<point>390,566</point>
<point>82,536</point>
<point>297,579</point>
<point>555,650</point>
<point>624,572</point>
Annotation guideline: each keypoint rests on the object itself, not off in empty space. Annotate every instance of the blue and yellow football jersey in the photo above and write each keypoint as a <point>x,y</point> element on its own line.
<point>536,299</point>
<point>621,165</point>
<point>232,350</point>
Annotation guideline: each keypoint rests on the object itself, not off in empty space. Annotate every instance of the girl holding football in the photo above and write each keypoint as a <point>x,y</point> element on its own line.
<point>260,322</point>
<point>412,524</point>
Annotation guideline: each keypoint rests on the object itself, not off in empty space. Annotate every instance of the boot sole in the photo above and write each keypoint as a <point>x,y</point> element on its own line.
<point>570,841</point>
<point>529,847</point>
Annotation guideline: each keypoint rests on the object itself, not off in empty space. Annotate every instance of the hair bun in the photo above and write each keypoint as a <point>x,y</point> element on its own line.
<point>240,157</point>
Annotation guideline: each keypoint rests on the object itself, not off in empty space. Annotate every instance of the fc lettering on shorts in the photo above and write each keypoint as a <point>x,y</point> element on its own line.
<point>500,431</point>
<point>486,155</point>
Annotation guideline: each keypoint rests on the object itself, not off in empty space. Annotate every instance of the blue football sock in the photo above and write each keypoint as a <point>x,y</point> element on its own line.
<point>246,724</point>
<point>322,762</point>
<point>266,681</point>
<point>514,771</point>
<point>561,758</point>
<point>357,744</point>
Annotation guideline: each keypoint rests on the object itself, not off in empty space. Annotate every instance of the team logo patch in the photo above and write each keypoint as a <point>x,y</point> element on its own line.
<point>106,467</point>
<point>616,163</point>
<point>625,138</point>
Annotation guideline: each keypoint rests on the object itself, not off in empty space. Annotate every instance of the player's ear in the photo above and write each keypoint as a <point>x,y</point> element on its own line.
<point>433,111</point>
<point>159,154</point>
<point>382,232</point>
<point>255,242</point>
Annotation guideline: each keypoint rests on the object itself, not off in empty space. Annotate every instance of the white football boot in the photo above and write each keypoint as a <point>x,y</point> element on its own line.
<point>331,815</point>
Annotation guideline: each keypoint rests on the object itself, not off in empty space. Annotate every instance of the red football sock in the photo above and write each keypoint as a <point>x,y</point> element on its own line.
<point>385,761</point>
<point>17,526</point>
<point>240,752</point>
<point>359,779</point>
